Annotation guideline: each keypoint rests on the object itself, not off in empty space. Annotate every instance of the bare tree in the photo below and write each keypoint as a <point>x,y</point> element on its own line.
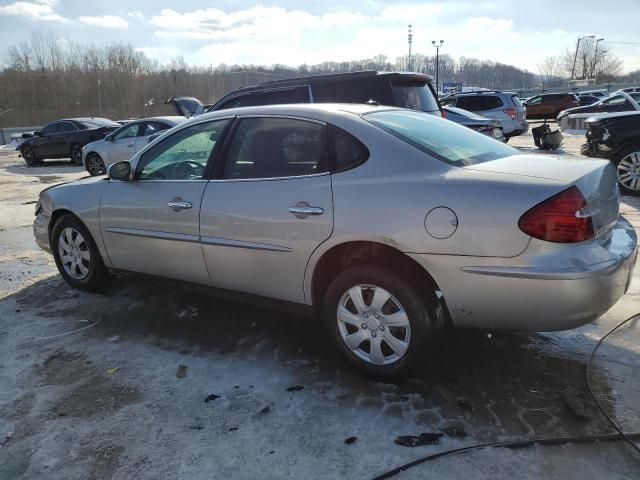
<point>551,72</point>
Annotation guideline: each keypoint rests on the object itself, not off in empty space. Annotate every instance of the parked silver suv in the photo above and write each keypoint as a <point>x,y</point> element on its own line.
<point>503,106</point>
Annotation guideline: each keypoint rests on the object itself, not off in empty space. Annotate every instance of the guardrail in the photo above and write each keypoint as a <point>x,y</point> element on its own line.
<point>8,134</point>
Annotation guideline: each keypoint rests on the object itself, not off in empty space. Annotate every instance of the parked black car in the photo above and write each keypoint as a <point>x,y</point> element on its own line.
<point>64,139</point>
<point>616,136</point>
<point>400,89</point>
<point>617,102</point>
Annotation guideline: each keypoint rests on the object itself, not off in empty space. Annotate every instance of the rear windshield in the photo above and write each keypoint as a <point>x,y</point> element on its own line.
<point>445,140</point>
<point>414,95</point>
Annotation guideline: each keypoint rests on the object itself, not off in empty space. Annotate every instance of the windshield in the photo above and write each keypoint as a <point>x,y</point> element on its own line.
<point>414,95</point>
<point>451,143</point>
<point>98,123</point>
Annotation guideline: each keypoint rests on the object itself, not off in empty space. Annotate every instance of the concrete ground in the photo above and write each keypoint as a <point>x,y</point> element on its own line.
<point>162,381</point>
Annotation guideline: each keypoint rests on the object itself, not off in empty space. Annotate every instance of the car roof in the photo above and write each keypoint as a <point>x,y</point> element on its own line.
<point>481,92</point>
<point>331,77</point>
<point>170,118</point>
<point>297,109</point>
<point>84,119</point>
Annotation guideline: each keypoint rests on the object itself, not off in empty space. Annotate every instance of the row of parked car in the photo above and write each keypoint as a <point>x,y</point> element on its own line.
<point>96,143</point>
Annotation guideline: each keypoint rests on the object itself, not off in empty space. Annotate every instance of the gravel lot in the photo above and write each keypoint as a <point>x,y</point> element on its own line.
<point>261,395</point>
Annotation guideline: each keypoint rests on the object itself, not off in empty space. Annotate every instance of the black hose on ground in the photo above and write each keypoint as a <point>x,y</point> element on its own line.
<point>629,437</point>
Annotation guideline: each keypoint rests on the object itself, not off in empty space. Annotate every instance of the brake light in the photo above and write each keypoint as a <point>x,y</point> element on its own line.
<point>563,218</point>
<point>512,112</point>
<point>444,115</point>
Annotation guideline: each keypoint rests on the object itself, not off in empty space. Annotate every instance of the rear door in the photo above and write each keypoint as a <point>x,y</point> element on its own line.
<point>60,144</point>
<point>150,224</point>
<point>269,207</point>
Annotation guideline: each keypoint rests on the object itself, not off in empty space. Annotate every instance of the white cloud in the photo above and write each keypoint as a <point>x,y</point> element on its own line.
<point>137,14</point>
<point>36,10</point>
<point>106,21</point>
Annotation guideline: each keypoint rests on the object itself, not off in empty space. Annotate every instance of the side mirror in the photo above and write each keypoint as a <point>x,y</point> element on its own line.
<point>119,171</point>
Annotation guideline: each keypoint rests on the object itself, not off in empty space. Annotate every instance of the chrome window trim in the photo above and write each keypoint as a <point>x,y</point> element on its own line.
<point>219,180</point>
<point>281,115</point>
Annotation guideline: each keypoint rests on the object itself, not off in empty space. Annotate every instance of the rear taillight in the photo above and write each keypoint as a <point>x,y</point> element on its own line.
<point>563,218</point>
<point>512,112</point>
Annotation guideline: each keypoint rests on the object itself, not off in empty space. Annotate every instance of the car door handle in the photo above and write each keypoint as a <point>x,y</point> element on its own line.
<point>177,205</point>
<point>302,211</point>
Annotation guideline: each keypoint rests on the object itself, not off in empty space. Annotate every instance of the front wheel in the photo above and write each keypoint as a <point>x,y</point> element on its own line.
<point>95,165</point>
<point>627,164</point>
<point>77,256</point>
<point>76,154</point>
<point>379,322</point>
<point>29,156</point>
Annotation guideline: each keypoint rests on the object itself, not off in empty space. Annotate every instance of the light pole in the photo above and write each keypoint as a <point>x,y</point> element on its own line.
<point>437,45</point>
<point>410,40</point>
<point>594,71</point>
<point>575,57</point>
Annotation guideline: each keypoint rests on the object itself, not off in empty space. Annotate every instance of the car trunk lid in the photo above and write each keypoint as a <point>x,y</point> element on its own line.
<point>186,106</point>
<point>596,180</point>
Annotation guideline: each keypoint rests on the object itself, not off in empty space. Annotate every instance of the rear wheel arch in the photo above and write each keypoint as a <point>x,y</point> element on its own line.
<point>345,255</point>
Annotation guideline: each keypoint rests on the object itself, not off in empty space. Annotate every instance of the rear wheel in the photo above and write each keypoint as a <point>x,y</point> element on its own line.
<point>378,321</point>
<point>77,256</point>
<point>627,163</point>
<point>29,156</point>
<point>76,154</point>
<point>95,165</point>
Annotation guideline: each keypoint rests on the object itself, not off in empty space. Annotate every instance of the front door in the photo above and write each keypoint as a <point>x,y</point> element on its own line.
<point>269,208</point>
<point>123,143</point>
<point>43,143</point>
<point>151,224</point>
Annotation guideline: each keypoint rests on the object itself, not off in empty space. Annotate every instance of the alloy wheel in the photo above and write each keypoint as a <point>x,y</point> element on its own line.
<point>628,171</point>
<point>373,324</point>
<point>95,165</point>
<point>74,253</point>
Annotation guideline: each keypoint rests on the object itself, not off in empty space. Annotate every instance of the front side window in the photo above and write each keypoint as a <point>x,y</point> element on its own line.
<point>276,147</point>
<point>447,141</point>
<point>183,155</point>
<point>127,131</point>
<point>615,101</point>
<point>534,101</point>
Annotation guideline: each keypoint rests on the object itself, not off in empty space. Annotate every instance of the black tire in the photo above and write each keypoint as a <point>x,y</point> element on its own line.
<point>29,156</point>
<point>95,165</point>
<point>76,154</point>
<point>427,328</point>
<point>97,276</point>
<point>628,154</point>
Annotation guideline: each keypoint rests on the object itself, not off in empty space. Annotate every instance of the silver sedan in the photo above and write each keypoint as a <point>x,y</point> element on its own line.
<point>390,224</point>
<point>123,143</point>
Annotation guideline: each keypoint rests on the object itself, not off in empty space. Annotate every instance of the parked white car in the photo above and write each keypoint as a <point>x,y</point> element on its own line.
<point>123,143</point>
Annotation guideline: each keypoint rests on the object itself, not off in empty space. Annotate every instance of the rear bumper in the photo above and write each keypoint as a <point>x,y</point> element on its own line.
<point>544,297</point>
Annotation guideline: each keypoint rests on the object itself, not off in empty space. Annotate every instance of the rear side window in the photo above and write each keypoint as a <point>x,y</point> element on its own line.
<point>476,103</point>
<point>153,127</point>
<point>274,97</point>
<point>276,147</point>
<point>447,141</point>
<point>516,101</point>
<point>348,152</point>
<point>414,95</point>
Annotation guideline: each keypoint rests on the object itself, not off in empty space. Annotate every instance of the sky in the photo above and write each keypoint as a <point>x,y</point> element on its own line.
<point>294,32</point>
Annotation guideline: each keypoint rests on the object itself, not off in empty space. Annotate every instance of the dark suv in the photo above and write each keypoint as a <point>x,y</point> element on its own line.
<point>407,90</point>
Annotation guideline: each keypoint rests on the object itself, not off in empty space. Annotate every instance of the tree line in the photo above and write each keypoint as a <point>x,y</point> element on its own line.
<point>46,78</point>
